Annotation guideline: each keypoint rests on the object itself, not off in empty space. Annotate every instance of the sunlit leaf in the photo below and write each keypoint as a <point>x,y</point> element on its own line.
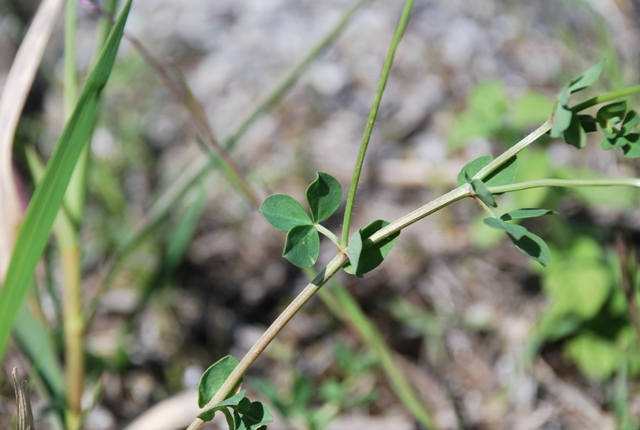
<point>302,246</point>
<point>283,212</point>
<point>324,196</point>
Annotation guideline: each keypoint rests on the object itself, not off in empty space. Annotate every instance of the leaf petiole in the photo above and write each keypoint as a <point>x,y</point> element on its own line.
<point>328,233</point>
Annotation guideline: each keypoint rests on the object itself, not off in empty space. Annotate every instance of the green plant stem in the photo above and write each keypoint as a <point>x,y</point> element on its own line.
<point>420,213</point>
<point>309,291</point>
<point>346,308</point>
<point>69,242</point>
<point>572,183</point>
<point>606,97</point>
<point>328,233</point>
<point>515,149</point>
<point>373,113</point>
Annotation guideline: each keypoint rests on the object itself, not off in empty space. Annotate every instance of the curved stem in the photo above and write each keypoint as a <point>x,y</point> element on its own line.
<point>373,113</point>
<point>519,186</point>
<point>515,149</point>
<point>273,330</point>
<point>606,97</point>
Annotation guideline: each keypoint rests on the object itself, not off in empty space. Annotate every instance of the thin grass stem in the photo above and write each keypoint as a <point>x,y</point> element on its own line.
<point>373,113</point>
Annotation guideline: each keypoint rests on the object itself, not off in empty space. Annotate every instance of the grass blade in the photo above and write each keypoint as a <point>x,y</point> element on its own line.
<point>48,196</point>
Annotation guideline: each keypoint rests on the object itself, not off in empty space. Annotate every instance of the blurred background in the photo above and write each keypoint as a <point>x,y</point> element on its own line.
<point>489,338</point>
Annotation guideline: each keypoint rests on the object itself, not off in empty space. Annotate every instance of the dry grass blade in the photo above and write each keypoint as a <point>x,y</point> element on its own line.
<point>12,101</point>
<point>25,417</point>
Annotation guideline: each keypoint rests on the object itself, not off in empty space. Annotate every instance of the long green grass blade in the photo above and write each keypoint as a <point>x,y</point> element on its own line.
<point>48,196</point>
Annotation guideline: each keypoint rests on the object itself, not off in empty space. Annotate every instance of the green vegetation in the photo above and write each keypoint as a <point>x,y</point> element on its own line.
<point>592,290</point>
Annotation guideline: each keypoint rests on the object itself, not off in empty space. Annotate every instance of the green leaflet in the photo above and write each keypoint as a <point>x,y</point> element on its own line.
<point>505,174</point>
<point>283,212</point>
<point>324,196</point>
<point>363,258</point>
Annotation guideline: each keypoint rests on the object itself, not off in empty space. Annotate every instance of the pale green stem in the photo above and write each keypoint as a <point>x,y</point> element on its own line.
<point>420,213</point>
<point>515,149</point>
<point>273,330</point>
<point>69,243</point>
<point>606,97</point>
<point>328,233</point>
<point>519,186</point>
<point>373,113</point>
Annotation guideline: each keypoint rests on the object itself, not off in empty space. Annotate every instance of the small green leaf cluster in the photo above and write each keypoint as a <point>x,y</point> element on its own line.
<point>614,120</point>
<point>240,412</point>
<point>566,122</point>
<point>302,245</point>
<point>316,406</point>
<point>283,212</point>
<point>527,242</point>
<point>587,311</point>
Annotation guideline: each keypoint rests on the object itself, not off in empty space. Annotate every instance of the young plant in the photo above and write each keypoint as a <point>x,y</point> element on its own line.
<point>483,179</point>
